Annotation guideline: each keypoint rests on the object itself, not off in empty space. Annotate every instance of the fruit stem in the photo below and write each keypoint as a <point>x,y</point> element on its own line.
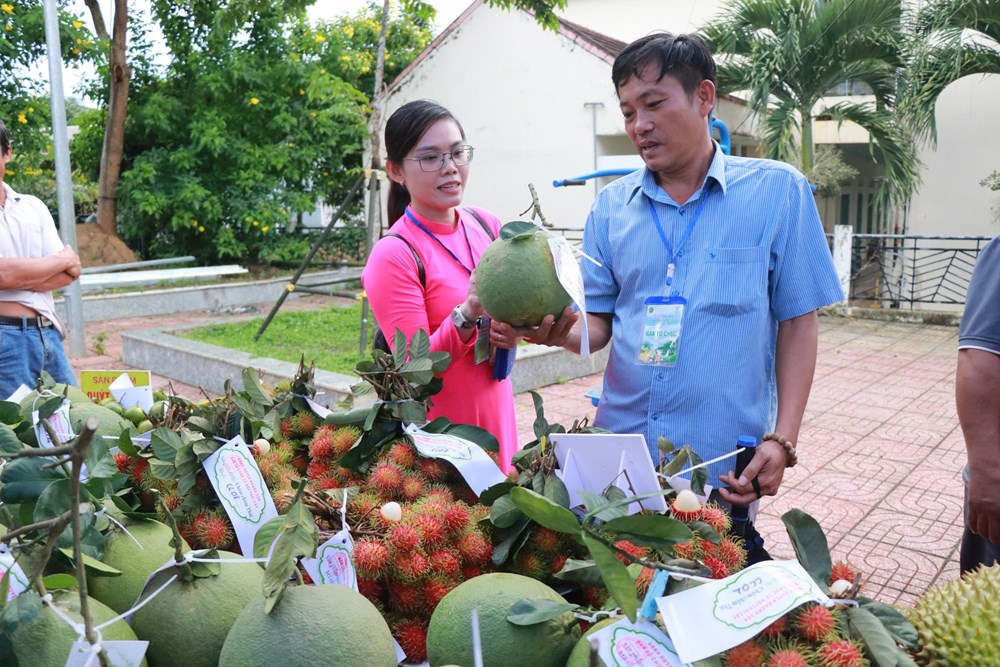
<point>180,562</point>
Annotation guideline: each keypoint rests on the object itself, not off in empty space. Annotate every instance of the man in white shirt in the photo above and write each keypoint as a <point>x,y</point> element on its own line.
<point>33,262</point>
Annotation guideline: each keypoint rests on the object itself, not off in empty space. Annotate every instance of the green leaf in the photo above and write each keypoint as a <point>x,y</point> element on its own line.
<point>165,444</point>
<point>657,531</point>
<point>20,611</point>
<point>54,501</point>
<point>24,480</point>
<point>515,538</point>
<point>201,570</point>
<point>59,582</point>
<point>412,412</point>
<point>125,444</point>
<point>810,545</point>
<point>420,344</point>
<point>518,228</point>
<point>898,625</point>
<point>417,371</point>
<point>299,537</point>
<point>475,434</point>
<point>9,442</point>
<point>581,572</point>
<point>399,350</point>
<point>545,512</point>
<point>205,448</point>
<point>440,361</point>
<point>599,507</point>
<point>94,566</point>
<point>705,532</point>
<point>879,644</point>
<point>99,461</point>
<point>615,575</point>
<point>10,413</point>
<point>492,493</point>
<point>252,388</point>
<point>504,513</point>
<point>265,536</point>
<point>677,463</point>
<point>628,500</point>
<point>162,470</point>
<point>540,427</point>
<point>48,407</point>
<point>532,612</point>
<point>555,490</point>
<point>200,425</point>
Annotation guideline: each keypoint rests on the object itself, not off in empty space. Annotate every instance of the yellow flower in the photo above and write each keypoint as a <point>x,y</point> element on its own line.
<point>264,229</point>
<point>194,223</point>
<point>79,41</point>
<point>31,109</point>
<point>201,229</point>
<point>302,91</point>
<point>255,223</point>
<point>254,101</point>
<point>319,38</point>
<point>8,27</point>
<point>312,113</point>
<point>348,31</point>
<point>76,52</point>
<point>10,172</point>
<point>9,9</point>
<point>21,118</point>
<point>77,24</point>
<point>345,58</point>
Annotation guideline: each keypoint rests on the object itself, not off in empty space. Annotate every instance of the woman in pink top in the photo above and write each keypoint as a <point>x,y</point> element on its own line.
<point>427,158</point>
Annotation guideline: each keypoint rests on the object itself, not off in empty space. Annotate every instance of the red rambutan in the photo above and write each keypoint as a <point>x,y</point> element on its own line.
<point>138,471</point>
<point>435,588</point>
<point>558,561</point>
<point>631,550</point>
<point>433,469</point>
<point>840,653</point>
<point>387,479</point>
<point>370,588</point>
<point>321,445</point>
<point>304,424</point>
<point>716,517</point>
<point>685,506</point>
<point>595,596</point>
<point>747,654</point>
<point>842,570</point>
<point>446,562</point>
<point>718,568</point>
<point>474,548</point>
<point>327,482</point>
<point>402,538</point>
<point>214,531</point>
<point>413,487</point>
<point>317,468</point>
<point>456,518</point>
<point>411,634</point>
<point>403,454</point>
<point>546,540</point>
<point>439,493</point>
<point>814,622</point>
<point>788,657</point>
<point>411,566</point>
<point>286,427</point>
<point>123,461</point>
<point>689,550</point>
<point>431,529</point>
<point>344,438</point>
<point>406,597</point>
<point>371,557</point>
<point>534,565</point>
<point>776,629</point>
<point>643,580</point>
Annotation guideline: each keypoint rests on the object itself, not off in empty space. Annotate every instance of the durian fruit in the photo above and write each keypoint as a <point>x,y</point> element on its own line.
<point>959,622</point>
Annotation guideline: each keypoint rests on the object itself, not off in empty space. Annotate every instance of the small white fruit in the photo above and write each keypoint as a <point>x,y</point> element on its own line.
<point>687,501</point>
<point>392,511</point>
<point>840,588</point>
<point>261,446</point>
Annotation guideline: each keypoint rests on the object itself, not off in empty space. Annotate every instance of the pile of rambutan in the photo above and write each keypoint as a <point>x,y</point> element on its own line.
<point>811,635</point>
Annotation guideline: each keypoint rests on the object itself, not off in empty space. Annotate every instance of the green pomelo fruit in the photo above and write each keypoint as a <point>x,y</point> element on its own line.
<point>580,657</point>
<point>74,394</point>
<point>449,637</point>
<point>108,423</point>
<point>134,414</point>
<point>311,625</point>
<point>516,280</point>
<point>46,642</point>
<point>957,621</point>
<point>186,624</point>
<point>135,563</point>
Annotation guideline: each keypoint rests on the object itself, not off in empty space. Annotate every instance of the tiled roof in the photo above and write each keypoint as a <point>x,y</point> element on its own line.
<point>609,45</point>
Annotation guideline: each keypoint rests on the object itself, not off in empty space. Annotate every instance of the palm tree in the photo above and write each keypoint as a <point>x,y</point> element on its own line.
<point>951,39</point>
<point>788,54</point>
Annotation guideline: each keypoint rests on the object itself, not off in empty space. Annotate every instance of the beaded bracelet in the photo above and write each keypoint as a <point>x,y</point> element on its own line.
<point>791,457</point>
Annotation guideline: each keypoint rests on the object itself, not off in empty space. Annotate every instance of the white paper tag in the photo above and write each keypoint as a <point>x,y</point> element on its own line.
<point>400,653</point>
<point>641,644</point>
<point>570,277</point>
<point>19,394</point>
<point>129,395</point>
<point>320,411</point>
<point>240,486</point>
<point>120,653</point>
<point>474,464</point>
<point>718,615</point>
<point>59,421</point>
<point>333,563</point>
<point>18,581</point>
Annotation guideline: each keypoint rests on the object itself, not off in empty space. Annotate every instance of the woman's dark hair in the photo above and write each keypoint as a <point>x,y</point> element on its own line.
<point>402,132</point>
<point>4,139</point>
<point>685,57</point>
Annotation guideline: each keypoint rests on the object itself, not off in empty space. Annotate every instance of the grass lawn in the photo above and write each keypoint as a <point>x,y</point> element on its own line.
<point>329,336</point>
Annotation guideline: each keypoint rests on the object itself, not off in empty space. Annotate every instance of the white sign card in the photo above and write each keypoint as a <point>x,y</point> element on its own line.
<point>240,486</point>
<point>18,581</point>
<point>568,273</point>
<point>641,644</point>
<point>474,464</point>
<point>129,395</point>
<point>19,394</point>
<point>718,615</point>
<point>595,461</point>
<point>120,653</point>
<point>333,563</point>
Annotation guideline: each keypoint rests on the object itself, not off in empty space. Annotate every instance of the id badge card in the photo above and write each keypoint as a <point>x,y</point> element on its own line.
<point>483,350</point>
<point>661,332</point>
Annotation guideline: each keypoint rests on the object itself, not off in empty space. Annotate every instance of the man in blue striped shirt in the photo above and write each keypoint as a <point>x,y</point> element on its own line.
<point>732,248</point>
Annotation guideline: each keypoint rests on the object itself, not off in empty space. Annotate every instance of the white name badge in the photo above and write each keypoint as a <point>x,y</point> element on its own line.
<point>120,653</point>
<point>718,615</point>
<point>334,563</point>
<point>641,644</point>
<point>18,581</point>
<point>240,486</point>
<point>661,332</point>
<point>474,464</point>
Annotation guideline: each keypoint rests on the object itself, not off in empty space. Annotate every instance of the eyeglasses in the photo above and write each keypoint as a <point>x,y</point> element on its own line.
<point>461,156</point>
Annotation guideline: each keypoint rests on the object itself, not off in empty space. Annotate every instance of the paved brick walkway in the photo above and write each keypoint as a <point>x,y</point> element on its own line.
<point>880,449</point>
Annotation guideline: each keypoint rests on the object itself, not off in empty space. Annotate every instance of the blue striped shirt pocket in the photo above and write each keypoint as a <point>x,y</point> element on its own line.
<point>734,281</point>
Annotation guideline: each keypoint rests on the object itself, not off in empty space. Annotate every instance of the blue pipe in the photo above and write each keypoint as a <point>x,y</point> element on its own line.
<point>724,140</point>
<point>579,180</point>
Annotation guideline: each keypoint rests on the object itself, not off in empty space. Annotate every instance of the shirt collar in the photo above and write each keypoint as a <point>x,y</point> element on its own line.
<point>648,185</point>
<point>11,195</point>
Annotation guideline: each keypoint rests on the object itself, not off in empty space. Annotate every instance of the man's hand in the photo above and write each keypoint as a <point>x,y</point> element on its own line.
<point>552,331</point>
<point>71,261</point>
<point>984,504</point>
<point>767,465</point>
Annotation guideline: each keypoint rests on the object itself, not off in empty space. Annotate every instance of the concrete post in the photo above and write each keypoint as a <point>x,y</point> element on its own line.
<point>842,241</point>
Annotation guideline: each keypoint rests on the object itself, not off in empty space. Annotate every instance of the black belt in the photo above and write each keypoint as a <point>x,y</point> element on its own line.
<point>40,322</point>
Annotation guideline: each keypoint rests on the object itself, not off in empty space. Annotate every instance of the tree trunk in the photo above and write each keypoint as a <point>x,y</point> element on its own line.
<point>808,150</point>
<point>120,74</point>
<point>374,201</point>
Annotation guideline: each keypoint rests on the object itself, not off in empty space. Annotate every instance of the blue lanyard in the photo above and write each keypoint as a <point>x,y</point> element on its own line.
<point>413,218</point>
<point>671,265</point>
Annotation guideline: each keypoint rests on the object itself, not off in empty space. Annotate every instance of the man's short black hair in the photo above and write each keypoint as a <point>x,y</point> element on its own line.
<point>4,139</point>
<point>685,57</point>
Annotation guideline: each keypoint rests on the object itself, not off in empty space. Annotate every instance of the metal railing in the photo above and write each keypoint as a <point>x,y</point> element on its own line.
<point>899,270</point>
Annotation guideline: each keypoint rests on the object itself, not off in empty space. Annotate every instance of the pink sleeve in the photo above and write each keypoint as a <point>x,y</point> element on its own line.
<point>396,296</point>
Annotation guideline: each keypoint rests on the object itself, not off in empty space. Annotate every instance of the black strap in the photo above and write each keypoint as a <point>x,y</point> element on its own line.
<point>420,265</point>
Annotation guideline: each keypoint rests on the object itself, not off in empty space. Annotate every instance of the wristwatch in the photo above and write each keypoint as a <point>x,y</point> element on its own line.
<point>459,319</point>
